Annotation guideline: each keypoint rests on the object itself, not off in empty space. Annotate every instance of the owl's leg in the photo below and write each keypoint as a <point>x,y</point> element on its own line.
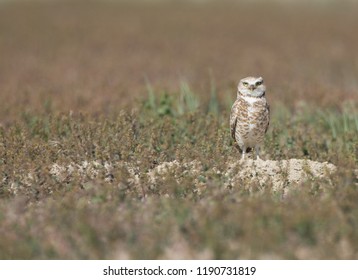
<point>243,152</point>
<point>257,150</point>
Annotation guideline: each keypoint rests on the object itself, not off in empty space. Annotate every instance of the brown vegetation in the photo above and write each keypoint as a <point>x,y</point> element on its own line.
<point>107,152</point>
<point>95,57</point>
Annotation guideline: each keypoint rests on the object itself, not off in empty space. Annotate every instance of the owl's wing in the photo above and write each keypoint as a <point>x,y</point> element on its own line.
<point>268,117</point>
<point>233,119</point>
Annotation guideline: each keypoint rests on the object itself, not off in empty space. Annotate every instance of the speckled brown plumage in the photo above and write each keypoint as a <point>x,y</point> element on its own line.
<point>249,121</point>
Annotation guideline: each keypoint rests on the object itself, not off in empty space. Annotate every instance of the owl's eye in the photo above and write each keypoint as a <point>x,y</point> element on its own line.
<point>245,84</point>
<point>258,83</point>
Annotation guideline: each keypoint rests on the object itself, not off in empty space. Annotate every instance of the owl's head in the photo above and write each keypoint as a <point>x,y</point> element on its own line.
<point>252,87</point>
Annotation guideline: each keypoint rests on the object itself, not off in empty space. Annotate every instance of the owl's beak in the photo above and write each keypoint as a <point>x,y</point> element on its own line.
<point>252,87</point>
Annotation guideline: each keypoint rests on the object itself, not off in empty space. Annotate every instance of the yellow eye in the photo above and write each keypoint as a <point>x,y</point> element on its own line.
<point>245,84</point>
<point>258,83</point>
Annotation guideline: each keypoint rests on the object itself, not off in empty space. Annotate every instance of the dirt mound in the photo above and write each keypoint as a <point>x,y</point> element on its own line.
<point>279,174</point>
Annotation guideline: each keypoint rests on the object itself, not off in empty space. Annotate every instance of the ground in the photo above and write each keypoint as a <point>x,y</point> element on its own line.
<point>115,139</point>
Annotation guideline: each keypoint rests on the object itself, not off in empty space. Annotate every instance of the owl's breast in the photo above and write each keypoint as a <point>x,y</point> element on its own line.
<point>252,120</point>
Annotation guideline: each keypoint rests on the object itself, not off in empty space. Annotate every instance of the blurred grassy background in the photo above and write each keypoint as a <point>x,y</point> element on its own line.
<point>96,56</point>
<point>139,83</point>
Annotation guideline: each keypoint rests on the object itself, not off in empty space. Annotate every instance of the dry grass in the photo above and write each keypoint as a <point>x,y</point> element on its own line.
<point>129,87</point>
<point>95,57</point>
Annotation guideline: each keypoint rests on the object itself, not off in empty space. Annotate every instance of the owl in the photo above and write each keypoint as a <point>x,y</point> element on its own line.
<point>250,115</point>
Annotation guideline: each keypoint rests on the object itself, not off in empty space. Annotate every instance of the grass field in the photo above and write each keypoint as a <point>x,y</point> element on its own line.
<point>98,97</point>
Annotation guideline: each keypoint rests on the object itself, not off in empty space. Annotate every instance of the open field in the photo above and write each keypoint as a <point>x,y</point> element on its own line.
<point>115,142</point>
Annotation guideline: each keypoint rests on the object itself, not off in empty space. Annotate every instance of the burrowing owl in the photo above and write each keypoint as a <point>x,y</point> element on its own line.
<point>250,115</point>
